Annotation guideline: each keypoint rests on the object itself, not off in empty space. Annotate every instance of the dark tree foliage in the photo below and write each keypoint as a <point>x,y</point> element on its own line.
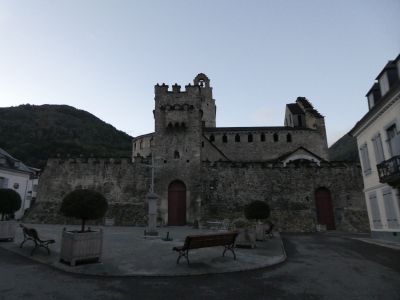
<point>85,205</point>
<point>10,202</point>
<point>257,210</point>
<point>35,133</point>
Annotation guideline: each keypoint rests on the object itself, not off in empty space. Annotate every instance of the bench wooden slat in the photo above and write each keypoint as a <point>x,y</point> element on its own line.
<point>225,239</point>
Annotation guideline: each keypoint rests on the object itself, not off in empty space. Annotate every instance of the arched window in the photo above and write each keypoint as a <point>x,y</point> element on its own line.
<point>176,154</point>
<point>237,138</point>
<point>169,125</point>
<point>289,138</point>
<point>183,125</point>
<point>262,137</point>
<point>224,138</point>
<point>176,125</point>
<point>250,138</point>
<point>141,145</point>
<point>276,137</point>
<point>212,138</point>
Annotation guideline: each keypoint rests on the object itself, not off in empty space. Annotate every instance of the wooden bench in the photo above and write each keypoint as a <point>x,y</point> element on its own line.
<point>30,234</point>
<point>225,239</point>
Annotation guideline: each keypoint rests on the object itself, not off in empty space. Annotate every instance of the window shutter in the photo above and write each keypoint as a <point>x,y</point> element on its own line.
<point>378,149</point>
<point>375,214</point>
<point>390,209</point>
<point>365,159</point>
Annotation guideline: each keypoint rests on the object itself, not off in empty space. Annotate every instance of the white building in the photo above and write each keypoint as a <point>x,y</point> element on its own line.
<point>378,140</point>
<point>23,179</point>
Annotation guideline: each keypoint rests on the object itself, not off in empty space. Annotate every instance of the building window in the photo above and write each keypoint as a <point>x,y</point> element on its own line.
<point>289,138</point>
<point>365,159</point>
<point>374,207</point>
<point>141,145</point>
<point>393,140</point>
<point>299,121</point>
<point>276,137</point>
<point>391,216</point>
<point>237,138</point>
<point>176,154</point>
<point>212,138</point>
<point>202,144</point>
<point>262,137</point>
<point>378,148</point>
<point>224,138</point>
<point>250,138</point>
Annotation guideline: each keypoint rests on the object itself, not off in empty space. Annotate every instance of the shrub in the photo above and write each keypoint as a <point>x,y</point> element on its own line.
<point>85,205</point>
<point>241,223</point>
<point>257,210</point>
<point>10,202</point>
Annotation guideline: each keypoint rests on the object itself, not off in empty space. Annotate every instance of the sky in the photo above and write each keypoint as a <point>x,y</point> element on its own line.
<point>106,56</point>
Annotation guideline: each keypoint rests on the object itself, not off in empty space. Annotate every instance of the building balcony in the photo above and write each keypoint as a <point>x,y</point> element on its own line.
<point>389,171</point>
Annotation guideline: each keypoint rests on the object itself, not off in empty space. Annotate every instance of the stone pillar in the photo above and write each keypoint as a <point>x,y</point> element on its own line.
<point>151,229</point>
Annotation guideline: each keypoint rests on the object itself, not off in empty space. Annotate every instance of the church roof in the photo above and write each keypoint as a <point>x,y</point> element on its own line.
<point>295,109</point>
<point>308,106</point>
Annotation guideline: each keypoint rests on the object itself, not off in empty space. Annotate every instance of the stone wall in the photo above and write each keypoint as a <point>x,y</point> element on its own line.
<point>216,190</point>
<point>262,146</point>
<point>123,183</point>
<point>227,187</point>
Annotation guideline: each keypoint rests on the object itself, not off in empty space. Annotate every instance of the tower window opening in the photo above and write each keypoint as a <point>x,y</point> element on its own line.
<point>169,125</point>
<point>176,125</point>
<point>224,138</point>
<point>202,144</point>
<point>176,154</point>
<point>262,137</point>
<point>212,138</point>
<point>183,125</point>
<point>237,138</point>
<point>276,137</point>
<point>299,120</point>
<point>141,144</point>
<point>250,138</point>
<point>289,138</point>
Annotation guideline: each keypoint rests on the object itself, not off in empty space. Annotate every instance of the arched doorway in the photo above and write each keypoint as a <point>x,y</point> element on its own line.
<point>177,203</point>
<point>323,204</point>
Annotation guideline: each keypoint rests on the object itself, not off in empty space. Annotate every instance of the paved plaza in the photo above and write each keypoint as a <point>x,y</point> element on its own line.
<point>126,252</point>
<point>318,266</point>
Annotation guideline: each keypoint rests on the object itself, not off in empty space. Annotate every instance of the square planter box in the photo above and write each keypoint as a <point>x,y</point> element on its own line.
<point>7,230</point>
<point>246,237</point>
<point>81,246</point>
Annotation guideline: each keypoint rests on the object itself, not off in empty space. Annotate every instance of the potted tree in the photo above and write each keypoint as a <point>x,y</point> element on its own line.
<point>247,234</point>
<point>85,244</point>
<point>257,211</point>
<point>10,202</point>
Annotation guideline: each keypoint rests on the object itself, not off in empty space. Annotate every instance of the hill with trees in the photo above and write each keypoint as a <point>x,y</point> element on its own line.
<point>33,133</point>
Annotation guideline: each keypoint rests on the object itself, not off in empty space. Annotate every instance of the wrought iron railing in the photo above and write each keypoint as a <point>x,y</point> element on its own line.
<point>389,170</point>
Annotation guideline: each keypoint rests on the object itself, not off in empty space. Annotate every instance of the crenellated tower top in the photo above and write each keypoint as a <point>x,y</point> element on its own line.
<point>198,95</point>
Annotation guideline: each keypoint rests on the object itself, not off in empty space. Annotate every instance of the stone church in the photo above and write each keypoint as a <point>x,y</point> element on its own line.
<point>204,172</point>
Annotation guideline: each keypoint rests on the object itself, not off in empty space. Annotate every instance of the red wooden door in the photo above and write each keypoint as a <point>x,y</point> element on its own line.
<point>177,204</point>
<point>323,203</point>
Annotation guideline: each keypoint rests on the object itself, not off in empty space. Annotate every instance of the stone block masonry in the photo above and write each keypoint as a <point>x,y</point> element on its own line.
<point>290,192</point>
<point>123,183</point>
